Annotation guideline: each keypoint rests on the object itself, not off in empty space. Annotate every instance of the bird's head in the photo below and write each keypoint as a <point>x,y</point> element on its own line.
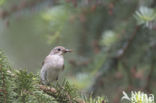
<point>59,50</point>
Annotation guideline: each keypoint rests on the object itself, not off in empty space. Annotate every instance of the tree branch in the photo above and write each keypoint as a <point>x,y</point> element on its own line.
<point>54,93</point>
<point>123,50</point>
<point>113,62</point>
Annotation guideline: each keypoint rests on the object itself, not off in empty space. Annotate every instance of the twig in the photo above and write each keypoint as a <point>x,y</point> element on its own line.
<point>48,89</point>
<point>53,92</point>
<point>129,42</point>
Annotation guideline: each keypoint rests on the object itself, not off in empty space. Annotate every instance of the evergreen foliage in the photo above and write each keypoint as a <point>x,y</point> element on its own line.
<point>7,93</point>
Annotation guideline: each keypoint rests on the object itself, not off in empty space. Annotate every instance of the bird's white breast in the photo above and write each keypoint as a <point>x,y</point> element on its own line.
<point>53,64</point>
<point>55,61</point>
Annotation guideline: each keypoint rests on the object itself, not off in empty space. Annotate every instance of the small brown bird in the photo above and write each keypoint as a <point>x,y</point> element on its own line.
<point>53,65</point>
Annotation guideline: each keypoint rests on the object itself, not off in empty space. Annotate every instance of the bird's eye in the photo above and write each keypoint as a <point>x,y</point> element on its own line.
<point>59,49</point>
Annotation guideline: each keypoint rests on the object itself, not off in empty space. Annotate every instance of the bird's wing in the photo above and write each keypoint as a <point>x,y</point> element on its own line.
<point>43,75</point>
<point>44,60</point>
<point>43,63</point>
<point>44,71</point>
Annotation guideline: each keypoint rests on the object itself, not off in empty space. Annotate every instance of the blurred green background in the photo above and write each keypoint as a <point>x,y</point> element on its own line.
<point>113,41</point>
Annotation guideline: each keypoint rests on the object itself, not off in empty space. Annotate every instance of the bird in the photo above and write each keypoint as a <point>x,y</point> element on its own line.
<point>53,65</point>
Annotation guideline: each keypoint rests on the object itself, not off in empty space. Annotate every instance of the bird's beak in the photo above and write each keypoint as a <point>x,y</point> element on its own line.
<point>67,50</point>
